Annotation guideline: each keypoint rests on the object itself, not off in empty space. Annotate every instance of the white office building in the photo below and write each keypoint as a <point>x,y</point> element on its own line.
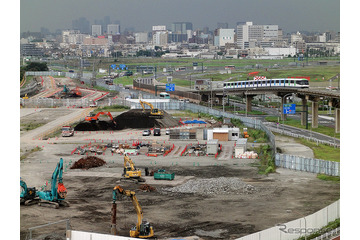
<point>113,29</point>
<point>96,30</point>
<point>224,36</point>
<point>249,35</point>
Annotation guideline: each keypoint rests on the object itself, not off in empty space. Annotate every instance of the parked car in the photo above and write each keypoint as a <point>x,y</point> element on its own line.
<point>146,133</point>
<point>157,132</point>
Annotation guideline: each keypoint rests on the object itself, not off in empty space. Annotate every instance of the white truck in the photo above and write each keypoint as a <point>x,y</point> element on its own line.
<point>67,131</point>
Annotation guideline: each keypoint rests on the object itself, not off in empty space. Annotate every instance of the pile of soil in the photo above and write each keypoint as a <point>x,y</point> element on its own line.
<point>134,118</point>
<point>88,162</point>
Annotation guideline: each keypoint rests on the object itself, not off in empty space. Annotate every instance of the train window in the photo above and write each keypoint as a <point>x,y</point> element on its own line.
<point>277,81</point>
<point>232,84</point>
<point>292,81</point>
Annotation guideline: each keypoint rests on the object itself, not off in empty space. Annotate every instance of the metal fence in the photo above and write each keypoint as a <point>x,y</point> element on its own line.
<point>299,227</point>
<point>307,164</point>
<point>249,122</point>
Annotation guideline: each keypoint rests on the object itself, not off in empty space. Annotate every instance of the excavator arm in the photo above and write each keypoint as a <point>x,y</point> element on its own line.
<point>128,160</point>
<point>142,229</point>
<point>96,117</point>
<point>154,112</point>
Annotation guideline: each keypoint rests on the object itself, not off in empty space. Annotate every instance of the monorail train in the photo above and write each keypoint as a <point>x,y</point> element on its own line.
<point>284,82</point>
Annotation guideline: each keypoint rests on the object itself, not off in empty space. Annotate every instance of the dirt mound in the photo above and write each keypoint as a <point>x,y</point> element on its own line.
<point>88,162</point>
<point>134,118</point>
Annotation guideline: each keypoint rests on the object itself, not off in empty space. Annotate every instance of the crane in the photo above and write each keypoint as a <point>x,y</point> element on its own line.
<point>142,229</point>
<point>55,196</point>
<point>95,117</point>
<point>154,112</point>
<point>131,172</point>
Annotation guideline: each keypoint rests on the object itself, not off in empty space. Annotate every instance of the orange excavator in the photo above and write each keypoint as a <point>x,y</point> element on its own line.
<point>95,117</point>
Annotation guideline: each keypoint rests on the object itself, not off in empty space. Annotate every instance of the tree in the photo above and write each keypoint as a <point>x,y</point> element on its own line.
<point>33,67</point>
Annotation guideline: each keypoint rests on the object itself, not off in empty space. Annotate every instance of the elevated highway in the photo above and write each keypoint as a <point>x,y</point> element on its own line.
<point>306,94</point>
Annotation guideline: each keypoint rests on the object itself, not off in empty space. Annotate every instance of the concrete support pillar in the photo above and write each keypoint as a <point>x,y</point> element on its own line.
<point>249,98</point>
<point>283,101</point>
<point>337,120</point>
<point>303,113</point>
<point>315,112</point>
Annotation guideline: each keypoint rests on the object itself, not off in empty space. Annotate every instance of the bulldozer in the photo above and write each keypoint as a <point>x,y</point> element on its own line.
<point>154,112</point>
<point>142,229</point>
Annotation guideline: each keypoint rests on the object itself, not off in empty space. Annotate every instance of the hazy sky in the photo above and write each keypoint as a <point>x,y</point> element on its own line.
<point>290,15</point>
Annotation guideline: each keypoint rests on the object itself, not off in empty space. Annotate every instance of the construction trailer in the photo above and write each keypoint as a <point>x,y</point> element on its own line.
<point>223,134</point>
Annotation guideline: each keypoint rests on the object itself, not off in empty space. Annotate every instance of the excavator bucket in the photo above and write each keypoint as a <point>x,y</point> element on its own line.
<point>61,190</point>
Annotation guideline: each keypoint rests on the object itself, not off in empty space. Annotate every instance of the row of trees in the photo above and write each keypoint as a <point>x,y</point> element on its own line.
<point>33,67</point>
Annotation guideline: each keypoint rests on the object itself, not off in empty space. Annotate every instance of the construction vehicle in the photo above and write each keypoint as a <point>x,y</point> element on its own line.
<point>27,195</point>
<point>154,112</point>
<point>130,172</point>
<point>95,117</point>
<point>142,229</point>
<point>67,131</point>
<point>26,96</point>
<point>56,195</point>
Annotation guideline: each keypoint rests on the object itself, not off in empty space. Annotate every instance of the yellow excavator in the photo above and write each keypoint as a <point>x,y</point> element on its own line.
<point>130,172</point>
<point>142,229</point>
<point>154,112</point>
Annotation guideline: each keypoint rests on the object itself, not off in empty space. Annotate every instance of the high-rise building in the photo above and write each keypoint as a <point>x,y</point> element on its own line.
<point>181,27</point>
<point>224,36</point>
<point>96,30</point>
<point>249,35</point>
<point>81,24</point>
<point>113,29</point>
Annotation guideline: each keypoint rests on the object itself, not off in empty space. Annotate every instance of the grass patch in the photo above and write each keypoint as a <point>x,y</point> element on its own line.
<point>114,108</point>
<point>30,126</point>
<point>322,151</point>
<point>328,178</point>
<point>27,153</point>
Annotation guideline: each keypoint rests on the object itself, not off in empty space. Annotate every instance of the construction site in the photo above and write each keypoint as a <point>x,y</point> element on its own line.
<point>103,174</point>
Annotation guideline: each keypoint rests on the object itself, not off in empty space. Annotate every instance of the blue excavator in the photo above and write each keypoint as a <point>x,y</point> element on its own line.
<point>54,197</point>
<point>27,195</point>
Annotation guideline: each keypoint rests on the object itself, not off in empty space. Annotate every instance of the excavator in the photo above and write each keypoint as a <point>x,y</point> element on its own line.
<point>95,117</point>
<point>142,229</point>
<point>56,196</point>
<point>130,172</point>
<point>27,195</point>
<point>154,112</point>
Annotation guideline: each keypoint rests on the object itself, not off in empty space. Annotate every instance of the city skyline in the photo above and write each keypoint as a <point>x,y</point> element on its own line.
<point>306,15</point>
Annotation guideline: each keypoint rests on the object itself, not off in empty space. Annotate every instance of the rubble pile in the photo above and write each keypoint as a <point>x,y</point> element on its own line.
<point>212,186</point>
<point>147,188</point>
<point>88,162</point>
